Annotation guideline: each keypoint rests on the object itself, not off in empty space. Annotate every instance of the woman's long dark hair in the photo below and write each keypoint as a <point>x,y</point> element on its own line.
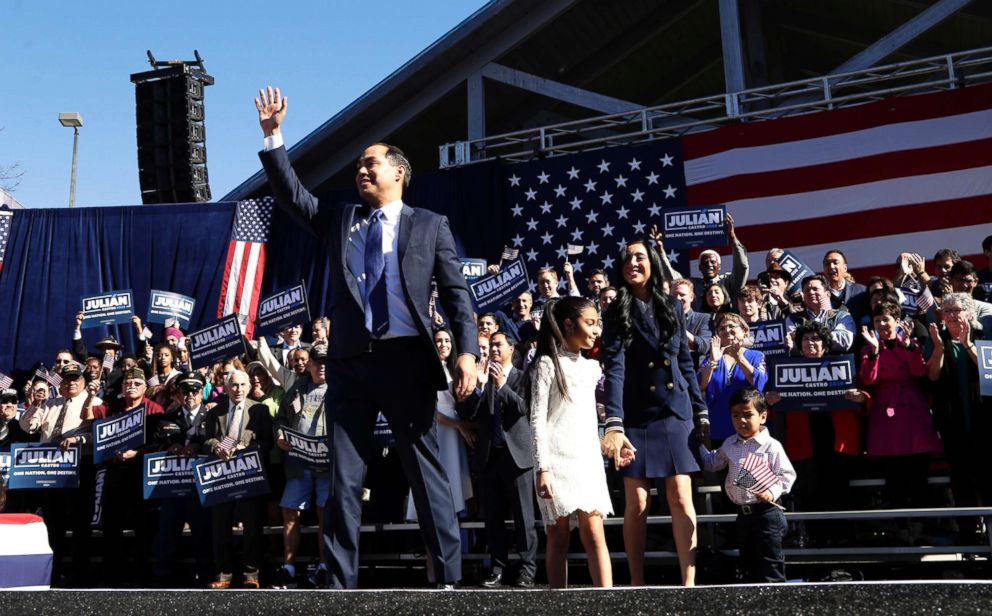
<point>619,317</point>
<point>551,339</point>
<point>450,362</point>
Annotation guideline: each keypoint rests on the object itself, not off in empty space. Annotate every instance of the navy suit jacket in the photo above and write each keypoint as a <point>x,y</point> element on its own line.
<point>426,250</point>
<point>515,424</point>
<point>649,376</point>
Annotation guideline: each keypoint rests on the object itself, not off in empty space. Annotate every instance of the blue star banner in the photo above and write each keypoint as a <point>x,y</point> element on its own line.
<point>598,200</point>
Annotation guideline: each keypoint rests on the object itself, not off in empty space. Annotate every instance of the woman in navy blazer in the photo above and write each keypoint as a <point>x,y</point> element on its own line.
<point>651,399</point>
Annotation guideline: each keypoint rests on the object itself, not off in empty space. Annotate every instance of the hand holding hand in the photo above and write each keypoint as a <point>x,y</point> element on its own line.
<point>271,105</point>
<point>544,488</point>
<point>465,376</point>
<point>614,445</point>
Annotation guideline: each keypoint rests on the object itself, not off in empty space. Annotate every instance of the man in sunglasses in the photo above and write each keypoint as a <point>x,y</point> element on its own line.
<point>182,432</point>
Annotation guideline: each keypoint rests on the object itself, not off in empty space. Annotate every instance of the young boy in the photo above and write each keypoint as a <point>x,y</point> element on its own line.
<point>761,524</point>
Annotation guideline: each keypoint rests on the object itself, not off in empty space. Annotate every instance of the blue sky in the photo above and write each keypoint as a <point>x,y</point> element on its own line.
<point>62,56</point>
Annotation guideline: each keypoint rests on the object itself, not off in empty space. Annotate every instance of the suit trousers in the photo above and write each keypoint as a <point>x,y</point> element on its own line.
<point>505,486</point>
<point>394,377</point>
<point>250,512</point>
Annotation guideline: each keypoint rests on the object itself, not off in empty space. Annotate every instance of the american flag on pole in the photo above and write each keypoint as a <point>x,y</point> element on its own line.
<point>6,217</point>
<point>5,381</point>
<point>108,360</point>
<point>509,254</point>
<point>228,443</point>
<point>909,173</point>
<point>597,200</point>
<point>755,476</point>
<point>246,261</point>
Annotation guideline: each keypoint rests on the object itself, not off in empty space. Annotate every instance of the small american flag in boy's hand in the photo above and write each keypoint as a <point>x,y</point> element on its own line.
<point>755,476</point>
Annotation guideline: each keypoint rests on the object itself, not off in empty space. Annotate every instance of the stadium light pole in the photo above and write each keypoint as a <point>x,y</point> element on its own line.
<point>73,120</point>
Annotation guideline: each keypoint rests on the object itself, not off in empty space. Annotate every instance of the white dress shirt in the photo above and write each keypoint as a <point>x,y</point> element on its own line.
<point>401,322</point>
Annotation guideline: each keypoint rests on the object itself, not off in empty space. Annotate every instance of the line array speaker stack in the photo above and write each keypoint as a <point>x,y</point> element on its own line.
<point>172,153</point>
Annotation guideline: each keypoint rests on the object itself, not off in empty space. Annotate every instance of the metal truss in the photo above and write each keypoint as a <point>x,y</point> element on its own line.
<point>843,89</point>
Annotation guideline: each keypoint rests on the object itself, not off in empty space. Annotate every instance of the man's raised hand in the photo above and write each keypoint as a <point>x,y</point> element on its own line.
<point>271,105</point>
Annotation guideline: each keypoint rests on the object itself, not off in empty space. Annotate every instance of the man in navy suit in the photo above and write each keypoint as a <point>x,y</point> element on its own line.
<point>381,354</point>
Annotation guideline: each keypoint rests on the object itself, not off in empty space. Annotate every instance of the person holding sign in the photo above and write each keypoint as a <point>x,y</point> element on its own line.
<point>123,504</point>
<point>384,257</point>
<point>60,420</point>
<point>234,426</point>
<point>709,265</point>
<point>302,410</point>
<point>961,414</point>
<point>900,429</point>
<point>182,431</point>
<point>651,398</point>
<point>824,446</point>
<point>816,300</point>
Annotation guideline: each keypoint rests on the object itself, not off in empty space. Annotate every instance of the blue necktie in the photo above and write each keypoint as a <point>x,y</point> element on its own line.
<point>376,305</point>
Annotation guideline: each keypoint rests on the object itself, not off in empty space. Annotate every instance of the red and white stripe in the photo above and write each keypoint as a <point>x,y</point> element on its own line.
<point>911,173</point>
<point>759,468</point>
<point>242,282</point>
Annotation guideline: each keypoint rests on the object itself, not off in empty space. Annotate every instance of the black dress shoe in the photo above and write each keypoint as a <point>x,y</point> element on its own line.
<point>524,580</point>
<point>495,580</point>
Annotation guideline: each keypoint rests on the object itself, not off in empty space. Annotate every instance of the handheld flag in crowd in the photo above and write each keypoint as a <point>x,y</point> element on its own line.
<point>756,476</point>
<point>152,381</point>
<point>108,360</point>
<point>228,443</point>
<point>49,377</point>
<point>509,254</point>
<point>573,249</point>
<point>5,381</point>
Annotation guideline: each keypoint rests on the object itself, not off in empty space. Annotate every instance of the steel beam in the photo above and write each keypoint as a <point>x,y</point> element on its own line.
<point>557,90</point>
<point>733,52</point>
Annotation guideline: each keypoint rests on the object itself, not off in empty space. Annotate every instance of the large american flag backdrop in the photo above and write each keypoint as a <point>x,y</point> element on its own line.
<point>911,173</point>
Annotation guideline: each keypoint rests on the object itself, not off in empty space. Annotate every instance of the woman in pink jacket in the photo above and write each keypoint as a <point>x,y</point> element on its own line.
<point>901,435</point>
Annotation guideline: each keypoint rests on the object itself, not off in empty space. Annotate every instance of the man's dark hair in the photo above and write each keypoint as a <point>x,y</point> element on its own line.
<point>819,330</point>
<point>748,395</point>
<point>605,289</point>
<point>963,268</point>
<point>510,342</point>
<point>398,158</point>
<point>987,243</point>
<point>943,253</point>
<point>834,251</point>
<point>324,321</point>
<point>598,272</point>
<point>816,277</point>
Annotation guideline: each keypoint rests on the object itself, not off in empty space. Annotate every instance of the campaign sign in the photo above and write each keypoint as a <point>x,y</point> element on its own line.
<point>217,342</point>
<point>307,450</point>
<point>43,465</point>
<point>167,475</point>
<point>497,290</point>
<point>812,384</point>
<point>111,308</point>
<point>473,269</point>
<point>796,268</point>
<point>984,350</point>
<point>769,337</point>
<point>5,464</point>
<point>280,310</point>
<point>696,227</point>
<point>164,305</point>
<point>909,299</point>
<point>120,433</point>
<point>241,476</point>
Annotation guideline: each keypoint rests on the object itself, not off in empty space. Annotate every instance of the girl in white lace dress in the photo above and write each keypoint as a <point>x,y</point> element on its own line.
<point>570,480</point>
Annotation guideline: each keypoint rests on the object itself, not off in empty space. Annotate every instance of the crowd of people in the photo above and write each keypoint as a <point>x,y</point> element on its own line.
<point>546,409</point>
<point>661,365</point>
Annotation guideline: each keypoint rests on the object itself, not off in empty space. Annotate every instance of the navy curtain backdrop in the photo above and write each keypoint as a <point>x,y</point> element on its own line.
<point>56,256</point>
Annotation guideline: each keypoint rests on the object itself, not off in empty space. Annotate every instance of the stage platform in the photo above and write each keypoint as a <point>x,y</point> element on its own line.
<point>863,599</point>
